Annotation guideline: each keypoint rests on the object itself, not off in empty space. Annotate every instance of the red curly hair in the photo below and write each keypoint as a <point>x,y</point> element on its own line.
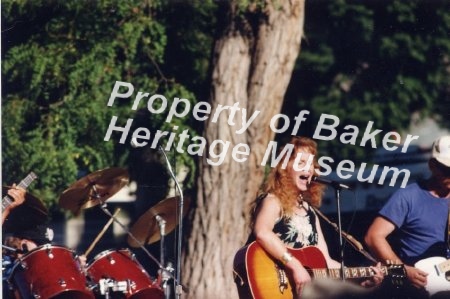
<point>280,184</point>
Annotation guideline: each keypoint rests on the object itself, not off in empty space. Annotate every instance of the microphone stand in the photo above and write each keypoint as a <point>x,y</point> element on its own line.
<point>179,287</point>
<point>337,190</point>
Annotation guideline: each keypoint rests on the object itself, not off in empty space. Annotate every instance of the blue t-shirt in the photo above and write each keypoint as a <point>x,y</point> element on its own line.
<point>420,217</point>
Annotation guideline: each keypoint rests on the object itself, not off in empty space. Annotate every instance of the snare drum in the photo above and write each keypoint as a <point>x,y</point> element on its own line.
<point>118,273</point>
<point>49,272</point>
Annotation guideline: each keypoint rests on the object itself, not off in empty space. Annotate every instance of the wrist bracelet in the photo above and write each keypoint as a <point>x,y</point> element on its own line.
<point>286,257</point>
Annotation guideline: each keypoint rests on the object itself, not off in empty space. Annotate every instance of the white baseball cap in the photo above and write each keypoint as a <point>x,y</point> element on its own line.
<point>441,150</point>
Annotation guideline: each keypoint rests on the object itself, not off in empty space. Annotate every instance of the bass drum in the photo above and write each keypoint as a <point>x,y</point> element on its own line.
<point>49,272</point>
<point>118,273</point>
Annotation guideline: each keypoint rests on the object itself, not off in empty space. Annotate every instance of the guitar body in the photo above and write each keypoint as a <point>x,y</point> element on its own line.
<point>436,279</point>
<point>259,276</point>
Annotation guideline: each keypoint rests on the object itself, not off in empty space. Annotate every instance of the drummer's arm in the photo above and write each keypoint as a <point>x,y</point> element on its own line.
<point>82,259</point>
<point>18,196</point>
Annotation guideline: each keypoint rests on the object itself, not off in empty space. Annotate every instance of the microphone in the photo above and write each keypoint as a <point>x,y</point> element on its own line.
<point>332,183</point>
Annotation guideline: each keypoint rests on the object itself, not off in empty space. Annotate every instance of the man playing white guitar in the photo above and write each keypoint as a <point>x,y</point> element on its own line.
<point>419,214</point>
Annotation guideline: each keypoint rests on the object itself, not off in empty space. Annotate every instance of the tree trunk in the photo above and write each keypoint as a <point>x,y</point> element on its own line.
<point>251,66</point>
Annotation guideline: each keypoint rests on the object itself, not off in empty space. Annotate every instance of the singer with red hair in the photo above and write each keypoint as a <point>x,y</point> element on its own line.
<point>283,216</point>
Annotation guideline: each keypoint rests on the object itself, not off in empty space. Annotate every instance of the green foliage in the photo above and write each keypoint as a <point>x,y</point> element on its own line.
<point>60,62</point>
<point>374,61</point>
<point>361,61</point>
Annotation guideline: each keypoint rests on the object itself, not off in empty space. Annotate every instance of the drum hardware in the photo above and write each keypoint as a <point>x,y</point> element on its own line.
<point>181,210</point>
<point>165,277</point>
<point>95,188</point>
<point>148,229</point>
<point>10,249</point>
<point>119,271</point>
<point>153,226</point>
<point>107,285</point>
<point>134,240</point>
<point>107,212</point>
<point>50,253</point>
<point>23,265</point>
<point>168,271</point>
<point>62,282</point>
<point>146,286</point>
<point>162,229</point>
<point>104,208</point>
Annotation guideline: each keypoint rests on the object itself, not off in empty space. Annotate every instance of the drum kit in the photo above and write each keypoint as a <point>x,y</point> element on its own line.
<point>51,271</point>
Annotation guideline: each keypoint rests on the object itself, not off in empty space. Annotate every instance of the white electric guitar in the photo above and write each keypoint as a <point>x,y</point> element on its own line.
<point>438,269</point>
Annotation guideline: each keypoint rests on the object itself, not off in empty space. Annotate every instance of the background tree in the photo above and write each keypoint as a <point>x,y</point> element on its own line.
<point>252,63</point>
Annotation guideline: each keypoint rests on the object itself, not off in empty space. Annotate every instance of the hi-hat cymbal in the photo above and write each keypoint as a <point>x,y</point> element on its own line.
<point>146,229</point>
<point>93,189</point>
<point>29,214</point>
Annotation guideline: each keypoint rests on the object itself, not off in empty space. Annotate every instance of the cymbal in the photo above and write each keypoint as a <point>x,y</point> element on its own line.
<point>93,189</point>
<point>146,229</point>
<point>29,214</point>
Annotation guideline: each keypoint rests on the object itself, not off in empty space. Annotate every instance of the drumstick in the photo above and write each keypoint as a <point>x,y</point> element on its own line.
<point>102,232</point>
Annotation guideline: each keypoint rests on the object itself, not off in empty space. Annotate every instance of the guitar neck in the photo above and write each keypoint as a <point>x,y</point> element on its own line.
<point>7,200</point>
<point>353,272</point>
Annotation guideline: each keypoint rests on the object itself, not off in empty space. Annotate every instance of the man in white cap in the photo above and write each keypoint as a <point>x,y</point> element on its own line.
<point>418,214</point>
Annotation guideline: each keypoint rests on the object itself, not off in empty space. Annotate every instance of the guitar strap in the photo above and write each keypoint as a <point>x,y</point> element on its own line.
<point>349,238</point>
<point>447,232</point>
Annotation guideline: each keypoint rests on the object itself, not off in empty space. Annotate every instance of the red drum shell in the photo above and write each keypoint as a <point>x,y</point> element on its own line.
<point>49,272</point>
<point>121,265</point>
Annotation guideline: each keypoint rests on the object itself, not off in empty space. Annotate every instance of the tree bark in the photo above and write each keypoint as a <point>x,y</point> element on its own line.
<point>252,65</point>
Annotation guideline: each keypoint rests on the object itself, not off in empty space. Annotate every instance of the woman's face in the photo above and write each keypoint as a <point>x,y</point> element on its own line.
<point>302,176</point>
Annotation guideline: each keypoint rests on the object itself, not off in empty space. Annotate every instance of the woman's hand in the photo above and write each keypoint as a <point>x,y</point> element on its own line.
<point>299,274</point>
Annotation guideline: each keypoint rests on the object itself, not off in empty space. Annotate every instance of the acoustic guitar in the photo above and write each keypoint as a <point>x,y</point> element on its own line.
<point>259,276</point>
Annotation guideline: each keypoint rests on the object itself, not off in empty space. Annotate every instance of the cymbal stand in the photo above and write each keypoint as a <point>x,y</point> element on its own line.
<point>104,208</point>
<point>164,277</point>
<point>162,228</point>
